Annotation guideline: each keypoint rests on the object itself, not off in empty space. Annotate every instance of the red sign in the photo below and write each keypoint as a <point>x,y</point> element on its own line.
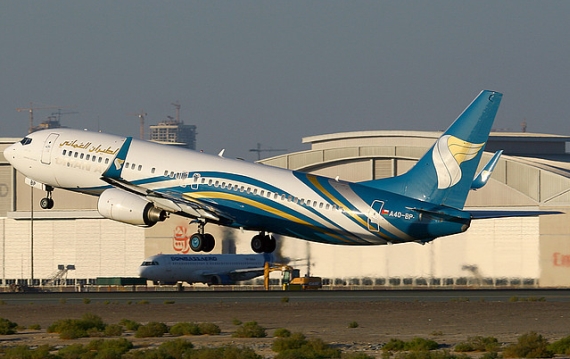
<point>181,240</point>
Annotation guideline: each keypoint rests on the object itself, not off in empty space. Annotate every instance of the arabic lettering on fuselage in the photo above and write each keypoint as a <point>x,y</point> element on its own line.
<point>87,146</point>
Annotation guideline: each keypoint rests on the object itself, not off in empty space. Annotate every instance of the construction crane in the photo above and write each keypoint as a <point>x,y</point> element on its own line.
<point>31,111</point>
<point>141,115</point>
<point>258,149</point>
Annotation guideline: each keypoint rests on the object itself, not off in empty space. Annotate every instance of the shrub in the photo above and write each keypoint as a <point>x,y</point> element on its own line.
<point>479,344</point>
<point>184,328</point>
<point>209,329</point>
<point>250,330</point>
<point>437,354</point>
<point>7,327</point>
<point>561,346</point>
<point>281,333</point>
<point>111,348</point>
<point>226,352</point>
<point>289,348</point>
<point>86,300</point>
<point>113,330</point>
<point>77,328</point>
<point>416,344</point>
<point>72,351</point>
<point>285,300</point>
<point>293,341</point>
<point>236,321</point>
<point>178,348</point>
<point>356,355</point>
<point>152,329</point>
<point>529,345</point>
<point>24,352</point>
<point>35,327</point>
<point>129,324</point>
<point>353,325</point>
<point>394,345</point>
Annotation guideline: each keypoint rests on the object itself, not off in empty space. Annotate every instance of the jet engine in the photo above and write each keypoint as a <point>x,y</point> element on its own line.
<point>127,207</point>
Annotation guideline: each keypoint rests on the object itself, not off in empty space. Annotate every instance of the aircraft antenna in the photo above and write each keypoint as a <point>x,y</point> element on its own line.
<point>258,149</point>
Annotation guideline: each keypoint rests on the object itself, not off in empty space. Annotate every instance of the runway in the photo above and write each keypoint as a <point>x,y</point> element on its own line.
<point>549,295</point>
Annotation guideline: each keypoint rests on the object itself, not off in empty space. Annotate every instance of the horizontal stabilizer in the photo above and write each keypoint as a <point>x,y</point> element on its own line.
<point>483,214</point>
<point>483,177</point>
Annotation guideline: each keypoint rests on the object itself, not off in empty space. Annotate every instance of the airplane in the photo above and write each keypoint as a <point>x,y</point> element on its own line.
<point>143,183</point>
<point>211,269</point>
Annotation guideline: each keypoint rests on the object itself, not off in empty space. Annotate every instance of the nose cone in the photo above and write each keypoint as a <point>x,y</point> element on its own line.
<point>144,271</point>
<point>10,152</point>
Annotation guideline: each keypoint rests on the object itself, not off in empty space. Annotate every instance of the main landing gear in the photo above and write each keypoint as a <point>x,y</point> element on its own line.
<point>201,241</point>
<point>47,202</point>
<point>263,243</point>
<point>205,242</point>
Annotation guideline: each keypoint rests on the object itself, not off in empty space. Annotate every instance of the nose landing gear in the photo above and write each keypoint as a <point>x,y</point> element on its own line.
<point>47,202</point>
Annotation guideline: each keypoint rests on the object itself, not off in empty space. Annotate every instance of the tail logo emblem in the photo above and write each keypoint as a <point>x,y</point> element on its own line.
<point>448,155</point>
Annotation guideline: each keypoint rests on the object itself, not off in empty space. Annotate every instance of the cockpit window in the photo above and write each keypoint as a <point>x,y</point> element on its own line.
<point>26,141</point>
<point>149,263</point>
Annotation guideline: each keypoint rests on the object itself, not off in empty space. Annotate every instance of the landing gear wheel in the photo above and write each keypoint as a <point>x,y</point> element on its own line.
<point>257,243</point>
<point>209,243</point>
<point>262,243</point>
<point>270,244</point>
<point>197,242</point>
<point>46,203</point>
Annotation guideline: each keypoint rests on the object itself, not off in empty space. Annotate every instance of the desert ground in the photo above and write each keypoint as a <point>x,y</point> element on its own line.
<point>448,323</point>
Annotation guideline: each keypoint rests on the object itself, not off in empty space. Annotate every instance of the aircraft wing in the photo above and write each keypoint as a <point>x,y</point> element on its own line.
<point>485,214</point>
<point>170,201</point>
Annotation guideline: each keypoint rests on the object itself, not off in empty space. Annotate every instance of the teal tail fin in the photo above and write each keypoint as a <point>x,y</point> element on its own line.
<point>444,175</point>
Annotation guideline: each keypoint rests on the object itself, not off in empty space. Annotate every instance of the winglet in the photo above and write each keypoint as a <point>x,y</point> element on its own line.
<point>482,177</point>
<point>116,167</point>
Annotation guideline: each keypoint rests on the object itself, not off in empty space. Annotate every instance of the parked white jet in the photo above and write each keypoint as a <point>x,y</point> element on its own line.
<point>209,269</point>
<point>141,183</point>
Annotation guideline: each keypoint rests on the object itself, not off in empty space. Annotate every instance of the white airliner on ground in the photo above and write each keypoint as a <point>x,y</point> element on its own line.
<point>208,269</point>
<point>141,183</point>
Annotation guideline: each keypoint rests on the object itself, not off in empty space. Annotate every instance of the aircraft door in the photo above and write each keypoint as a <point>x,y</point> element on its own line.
<point>374,215</point>
<point>48,146</point>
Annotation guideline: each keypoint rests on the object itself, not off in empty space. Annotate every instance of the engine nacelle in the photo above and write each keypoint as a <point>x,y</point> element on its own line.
<point>126,207</point>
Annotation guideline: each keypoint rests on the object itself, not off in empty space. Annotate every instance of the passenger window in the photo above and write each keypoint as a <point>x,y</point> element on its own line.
<point>64,152</point>
<point>106,161</point>
<point>152,170</point>
<point>166,172</point>
<point>94,158</point>
<point>133,166</point>
<point>140,168</point>
<point>87,157</point>
<point>100,159</point>
<point>127,164</point>
<point>75,155</point>
<point>81,157</point>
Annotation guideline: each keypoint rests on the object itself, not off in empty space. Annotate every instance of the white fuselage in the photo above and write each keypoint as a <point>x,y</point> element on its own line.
<point>208,269</point>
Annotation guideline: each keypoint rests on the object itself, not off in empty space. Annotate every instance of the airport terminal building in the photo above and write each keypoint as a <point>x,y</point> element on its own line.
<point>74,244</point>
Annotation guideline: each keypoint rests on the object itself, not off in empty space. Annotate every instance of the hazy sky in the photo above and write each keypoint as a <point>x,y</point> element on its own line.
<point>276,71</point>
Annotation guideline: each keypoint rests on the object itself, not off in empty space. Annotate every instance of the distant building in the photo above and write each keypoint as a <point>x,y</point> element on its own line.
<point>174,133</point>
<point>51,122</point>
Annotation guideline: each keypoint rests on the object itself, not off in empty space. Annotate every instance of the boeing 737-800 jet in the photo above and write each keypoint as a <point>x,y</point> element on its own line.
<point>208,269</point>
<point>142,183</point>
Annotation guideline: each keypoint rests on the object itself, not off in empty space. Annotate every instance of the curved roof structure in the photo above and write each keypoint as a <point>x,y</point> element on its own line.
<point>533,171</point>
